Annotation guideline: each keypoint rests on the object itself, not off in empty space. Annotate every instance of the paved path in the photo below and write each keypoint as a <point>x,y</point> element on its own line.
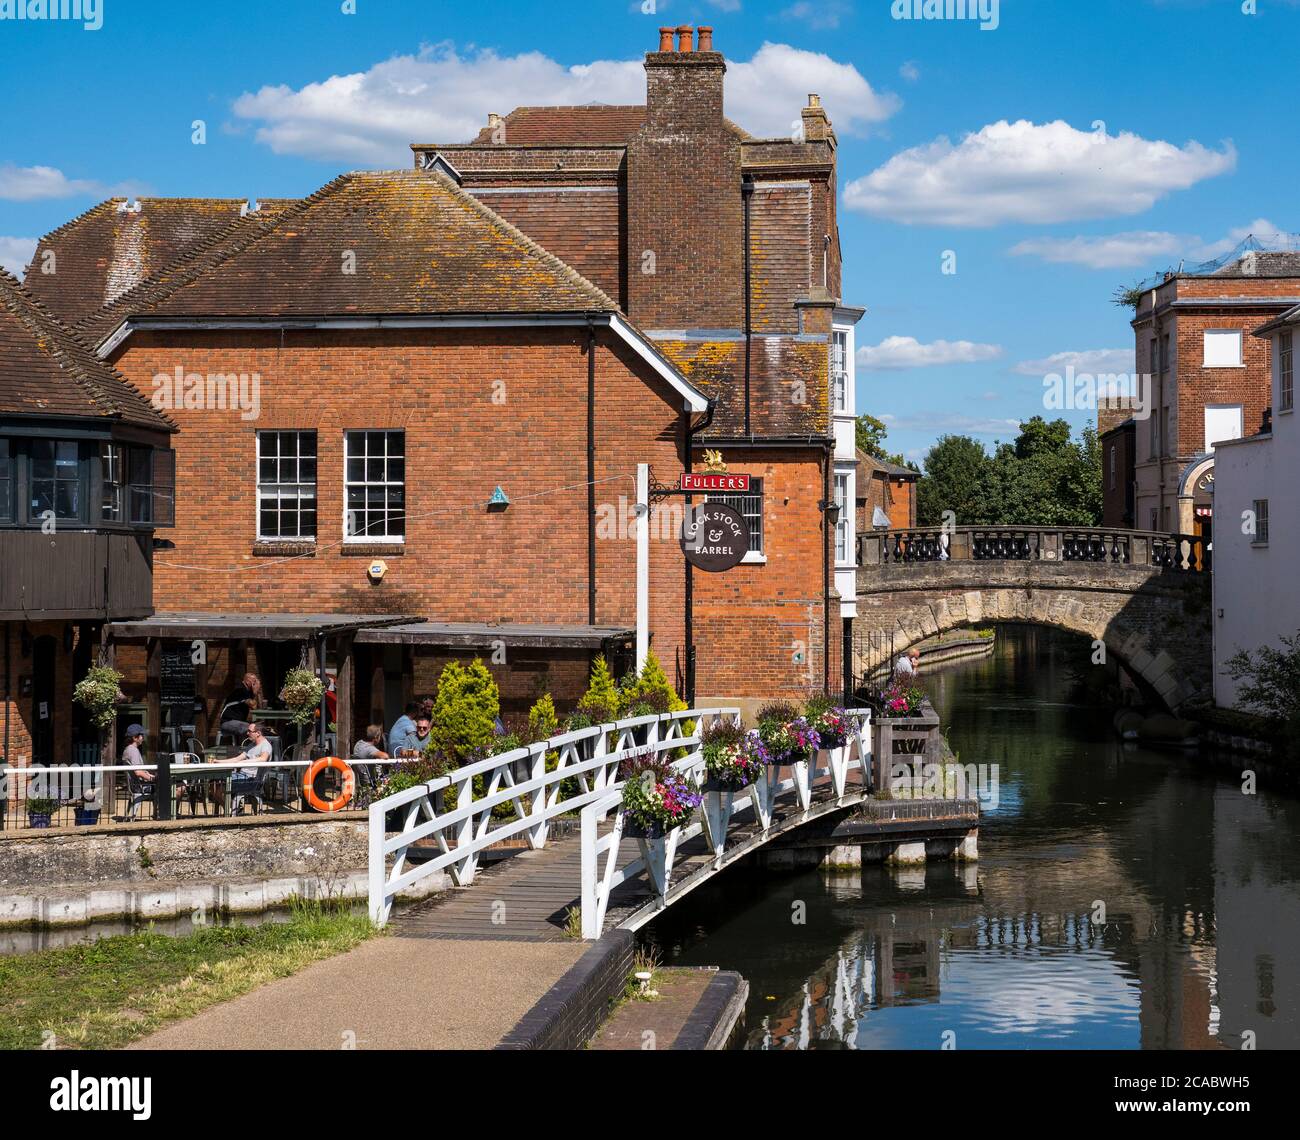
<point>390,993</point>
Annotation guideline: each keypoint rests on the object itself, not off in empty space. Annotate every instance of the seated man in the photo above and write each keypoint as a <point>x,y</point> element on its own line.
<point>259,751</point>
<point>238,710</point>
<point>369,747</point>
<point>401,736</point>
<point>423,725</point>
<point>131,753</point>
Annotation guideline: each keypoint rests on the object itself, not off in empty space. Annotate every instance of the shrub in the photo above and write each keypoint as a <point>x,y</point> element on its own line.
<point>653,687</point>
<point>601,700</point>
<point>465,710</point>
<point>542,721</point>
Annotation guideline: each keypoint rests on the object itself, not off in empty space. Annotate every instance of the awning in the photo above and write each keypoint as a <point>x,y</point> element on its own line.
<point>484,635</point>
<point>253,626</point>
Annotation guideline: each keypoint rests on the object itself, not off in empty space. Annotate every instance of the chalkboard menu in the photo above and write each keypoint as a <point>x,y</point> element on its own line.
<point>178,681</point>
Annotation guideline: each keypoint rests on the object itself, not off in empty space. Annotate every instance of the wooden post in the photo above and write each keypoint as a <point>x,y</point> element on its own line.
<point>344,683</point>
<point>202,672</point>
<point>153,695</point>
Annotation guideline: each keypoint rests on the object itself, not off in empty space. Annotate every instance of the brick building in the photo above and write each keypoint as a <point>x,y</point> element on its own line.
<point>535,312</point>
<point>1118,481</point>
<point>725,249</point>
<point>85,477</point>
<point>888,489</point>
<point>1209,378</point>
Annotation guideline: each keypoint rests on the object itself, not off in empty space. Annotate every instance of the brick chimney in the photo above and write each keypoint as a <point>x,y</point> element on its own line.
<point>685,221</point>
<point>816,123</point>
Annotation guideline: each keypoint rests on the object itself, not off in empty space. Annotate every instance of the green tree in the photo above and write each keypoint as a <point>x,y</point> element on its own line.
<point>653,688</point>
<point>601,700</point>
<point>542,721</point>
<point>957,479</point>
<point>465,709</point>
<point>1045,478</point>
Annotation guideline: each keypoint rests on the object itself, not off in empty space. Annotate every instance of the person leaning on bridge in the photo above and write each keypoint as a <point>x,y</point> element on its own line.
<point>909,665</point>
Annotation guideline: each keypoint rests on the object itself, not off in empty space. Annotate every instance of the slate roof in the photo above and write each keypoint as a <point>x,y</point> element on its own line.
<point>47,370</point>
<point>886,466</point>
<point>594,124</point>
<point>420,245</point>
<point>114,246</point>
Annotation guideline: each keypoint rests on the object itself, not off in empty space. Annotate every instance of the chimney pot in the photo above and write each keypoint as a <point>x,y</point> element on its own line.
<point>665,39</point>
<point>814,100</point>
<point>706,39</point>
<point>685,41</point>
<point>493,119</point>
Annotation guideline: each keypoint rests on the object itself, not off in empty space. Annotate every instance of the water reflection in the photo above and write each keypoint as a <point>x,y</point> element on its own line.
<point>1125,898</point>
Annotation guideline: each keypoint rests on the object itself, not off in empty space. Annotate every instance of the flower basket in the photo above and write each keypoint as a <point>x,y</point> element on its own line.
<point>38,819</point>
<point>658,801</point>
<point>302,694</point>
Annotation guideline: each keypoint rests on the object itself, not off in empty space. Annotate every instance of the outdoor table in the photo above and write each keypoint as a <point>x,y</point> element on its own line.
<point>212,772</point>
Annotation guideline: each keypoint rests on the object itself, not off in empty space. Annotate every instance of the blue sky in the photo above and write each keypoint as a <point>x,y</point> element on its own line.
<point>1087,144</point>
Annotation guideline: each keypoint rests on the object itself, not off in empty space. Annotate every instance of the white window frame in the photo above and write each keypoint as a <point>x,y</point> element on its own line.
<point>743,503</point>
<point>843,524</point>
<point>279,489</point>
<point>841,371</point>
<point>1241,423</point>
<point>1205,347</point>
<point>349,483</point>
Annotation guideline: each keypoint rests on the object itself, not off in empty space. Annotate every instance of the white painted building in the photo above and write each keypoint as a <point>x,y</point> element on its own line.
<point>1257,522</point>
<point>844,416</point>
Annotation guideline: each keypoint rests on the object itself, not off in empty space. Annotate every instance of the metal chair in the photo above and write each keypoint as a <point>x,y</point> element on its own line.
<point>194,788</point>
<point>244,788</point>
<point>139,791</point>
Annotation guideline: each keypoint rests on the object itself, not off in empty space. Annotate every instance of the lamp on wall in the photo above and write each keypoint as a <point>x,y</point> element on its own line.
<point>499,501</point>
<point>831,508</point>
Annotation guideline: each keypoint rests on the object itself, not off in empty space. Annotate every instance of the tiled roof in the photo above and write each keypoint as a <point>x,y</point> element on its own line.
<point>592,125</point>
<point>417,243</point>
<point>787,383</point>
<point>47,370</point>
<point>886,466</point>
<point>113,247</point>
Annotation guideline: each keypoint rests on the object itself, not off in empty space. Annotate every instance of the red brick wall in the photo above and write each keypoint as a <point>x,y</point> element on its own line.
<point>459,562</point>
<point>19,711</point>
<point>1199,386</point>
<point>751,621</point>
<point>684,207</point>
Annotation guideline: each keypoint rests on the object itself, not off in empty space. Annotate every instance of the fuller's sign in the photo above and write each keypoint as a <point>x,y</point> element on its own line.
<point>715,537</point>
<point>713,481</point>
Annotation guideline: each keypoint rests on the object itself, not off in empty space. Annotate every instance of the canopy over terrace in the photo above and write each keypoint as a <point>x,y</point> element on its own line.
<point>233,643</point>
<point>528,659</point>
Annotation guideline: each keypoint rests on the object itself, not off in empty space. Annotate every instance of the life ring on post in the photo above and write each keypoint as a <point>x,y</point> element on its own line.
<point>313,773</point>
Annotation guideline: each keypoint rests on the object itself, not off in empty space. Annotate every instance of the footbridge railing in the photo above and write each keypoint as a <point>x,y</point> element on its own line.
<point>576,773</point>
<point>722,813</point>
<point>516,793</point>
<point>1177,552</point>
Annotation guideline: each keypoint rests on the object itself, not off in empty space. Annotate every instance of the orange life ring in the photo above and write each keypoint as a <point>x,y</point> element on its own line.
<point>324,764</point>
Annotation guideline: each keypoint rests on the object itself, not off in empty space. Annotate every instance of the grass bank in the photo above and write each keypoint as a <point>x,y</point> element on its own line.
<point>108,993</point>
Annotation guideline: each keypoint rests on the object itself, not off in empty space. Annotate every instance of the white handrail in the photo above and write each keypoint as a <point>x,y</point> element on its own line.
<point>657,855</point>
<point>589,756</point>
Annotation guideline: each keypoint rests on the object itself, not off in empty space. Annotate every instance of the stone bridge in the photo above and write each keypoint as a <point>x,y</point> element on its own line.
<point>1145,595</point>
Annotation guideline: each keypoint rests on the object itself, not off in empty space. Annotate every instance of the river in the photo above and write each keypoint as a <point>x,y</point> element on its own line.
<point>1124,897</point>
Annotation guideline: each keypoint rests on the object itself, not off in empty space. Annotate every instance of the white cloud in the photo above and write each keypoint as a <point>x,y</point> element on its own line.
<point>440,95</point>
<point>1143,247</point>
<point>30,183</point>
<point>1031,172</point>
<point>1094,361</point>
<point>1262,228</point>
<point>941,422</point>
<point>895,352</point>
<point>910,71</point>
<point>15,253</point>
<point>1108,251</point>
<point>817,14</point>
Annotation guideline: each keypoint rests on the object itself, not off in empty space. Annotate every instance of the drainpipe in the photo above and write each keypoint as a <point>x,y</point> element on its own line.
<point>688,434</point>
<point>1157,410</point>
<point>4,799</point>
<point>591,472</point>
<point>746,196</point>
<point>827,554</point>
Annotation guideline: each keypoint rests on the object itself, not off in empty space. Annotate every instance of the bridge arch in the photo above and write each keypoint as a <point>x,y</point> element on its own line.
<point>1153,615</point>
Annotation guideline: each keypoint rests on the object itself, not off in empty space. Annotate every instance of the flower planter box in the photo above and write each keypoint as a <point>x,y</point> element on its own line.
<point>802,769</point>
<point>657,850</point>
<point>717,807</point>
<point>38,819</point>
<point>86,818</point>
<point>763,791</point>
<point>918,735</point>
